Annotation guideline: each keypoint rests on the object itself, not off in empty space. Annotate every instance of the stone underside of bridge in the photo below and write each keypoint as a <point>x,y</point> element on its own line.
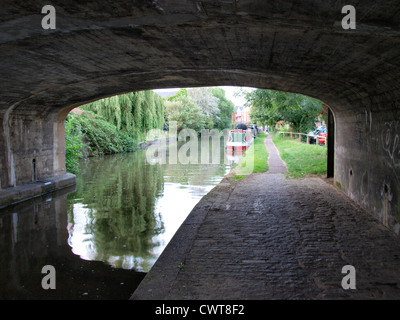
<point>104,48</point>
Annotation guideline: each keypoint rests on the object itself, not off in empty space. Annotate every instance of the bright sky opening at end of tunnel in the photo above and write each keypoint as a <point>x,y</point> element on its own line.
<point>229,92</point>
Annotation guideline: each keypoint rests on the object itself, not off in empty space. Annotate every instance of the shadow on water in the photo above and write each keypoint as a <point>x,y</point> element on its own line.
<point>103,235</point>
<point>34,234</point>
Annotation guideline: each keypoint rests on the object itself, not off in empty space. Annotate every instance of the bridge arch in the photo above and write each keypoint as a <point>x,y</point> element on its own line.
<point>103,49</point>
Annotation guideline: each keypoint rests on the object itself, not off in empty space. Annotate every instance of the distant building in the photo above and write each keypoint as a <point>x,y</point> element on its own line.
<point>242,114</point>
<point>80,112</point>
<point>76,111</point>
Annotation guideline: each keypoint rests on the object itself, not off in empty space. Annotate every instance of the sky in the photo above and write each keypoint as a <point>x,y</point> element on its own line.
<point>229,91</point>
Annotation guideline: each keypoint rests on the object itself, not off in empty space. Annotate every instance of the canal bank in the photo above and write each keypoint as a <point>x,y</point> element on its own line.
<point>104,233</point>
<point>40,187</point>
<point>268,237</point>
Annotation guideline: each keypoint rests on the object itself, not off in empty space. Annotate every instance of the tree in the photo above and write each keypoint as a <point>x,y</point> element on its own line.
<point>205,99</point>
<point>179,95</point>
<point>137,111</point>
<point>186,113</point>
<point>262,110</point>
<point>133,113</point>
<point>226,109</point>
<point>200,108</point>
<point>73,145</point>
<point>270,106</point>
<point>299,110</point>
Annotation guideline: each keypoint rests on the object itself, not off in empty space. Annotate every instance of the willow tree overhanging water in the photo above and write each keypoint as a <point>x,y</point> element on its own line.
<point>112,125</point>
<point>133,113</point>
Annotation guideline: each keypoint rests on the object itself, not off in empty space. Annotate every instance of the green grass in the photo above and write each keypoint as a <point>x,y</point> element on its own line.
<point>302,159</point>
<point>256,161</point>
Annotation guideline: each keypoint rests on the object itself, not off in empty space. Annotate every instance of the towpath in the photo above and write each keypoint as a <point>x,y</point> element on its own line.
<point>268,237</point>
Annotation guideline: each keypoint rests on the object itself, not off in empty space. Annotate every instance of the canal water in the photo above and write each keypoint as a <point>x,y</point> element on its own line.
<point>104,234</point>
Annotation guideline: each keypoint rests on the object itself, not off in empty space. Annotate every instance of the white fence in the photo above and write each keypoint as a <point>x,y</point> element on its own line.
<point>304,134</point>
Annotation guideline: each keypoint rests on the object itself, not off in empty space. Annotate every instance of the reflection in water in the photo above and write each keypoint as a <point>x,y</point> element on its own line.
<point>126,210</point>
<point>112,213</point>
<point>34,234</point>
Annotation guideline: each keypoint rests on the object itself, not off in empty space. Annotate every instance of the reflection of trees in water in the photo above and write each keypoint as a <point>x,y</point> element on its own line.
<point>198,174</point>
<point>121,193</point>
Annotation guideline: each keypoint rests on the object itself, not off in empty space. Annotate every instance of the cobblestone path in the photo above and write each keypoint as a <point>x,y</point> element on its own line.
<point>268,237</point>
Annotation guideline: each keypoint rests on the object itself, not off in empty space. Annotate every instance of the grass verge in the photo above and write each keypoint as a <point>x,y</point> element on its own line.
<point>254,160</point>
<point>301,159</point>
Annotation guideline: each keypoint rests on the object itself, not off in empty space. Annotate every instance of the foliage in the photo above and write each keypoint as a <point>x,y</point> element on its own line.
<point>112,125</point>
<point>301,159</point>
<point>226,109</point>
<point>269,107</point>
<point>73,146</point>
<point>200,108</point>
<point>99,135</point>
<point>262,110</point>
<point>132,113</point>
<point>208,103</point>
<point>116,124</point>
<point>179,95</point>
<point>186,113</point>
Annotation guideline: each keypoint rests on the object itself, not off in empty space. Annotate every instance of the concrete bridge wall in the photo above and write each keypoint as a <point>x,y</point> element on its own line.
<point>105,48</point>
<point>34,149</point>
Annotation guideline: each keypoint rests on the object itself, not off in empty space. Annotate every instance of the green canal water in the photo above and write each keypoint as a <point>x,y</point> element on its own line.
<point>103,235</point>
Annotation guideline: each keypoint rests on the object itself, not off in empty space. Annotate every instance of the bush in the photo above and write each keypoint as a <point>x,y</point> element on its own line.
<point>101,136</point>
<point>73,147</point>
<point>91,135</point>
